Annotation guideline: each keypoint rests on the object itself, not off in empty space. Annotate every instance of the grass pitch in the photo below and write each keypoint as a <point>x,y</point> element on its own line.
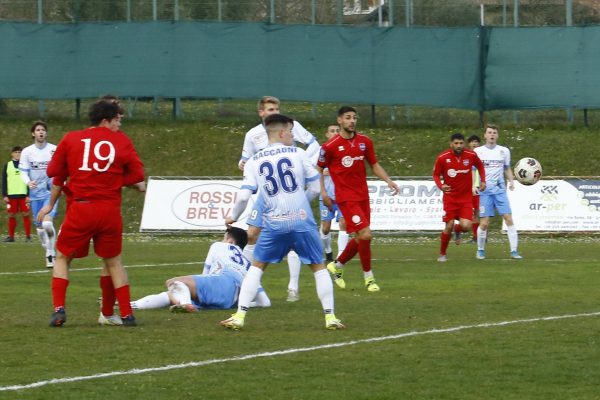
<point>421,337</point>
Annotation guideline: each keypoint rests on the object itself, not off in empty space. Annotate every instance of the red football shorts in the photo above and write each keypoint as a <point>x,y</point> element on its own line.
<point>17,205</point>
<point>85,221</point>
<point>476,203</point>
<point>357,214</point>
<point>458,210</point>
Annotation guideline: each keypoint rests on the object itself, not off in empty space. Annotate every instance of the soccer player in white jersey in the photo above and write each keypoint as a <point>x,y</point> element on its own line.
<point>280,173</point>
<point>255,140</point>
<point>33,164</point>
<point>216,288</point>
<point>496,160</point>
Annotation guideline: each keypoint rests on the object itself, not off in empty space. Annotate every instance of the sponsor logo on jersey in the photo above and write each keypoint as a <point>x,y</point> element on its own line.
<point>453,172</point>
<point>348,161</point>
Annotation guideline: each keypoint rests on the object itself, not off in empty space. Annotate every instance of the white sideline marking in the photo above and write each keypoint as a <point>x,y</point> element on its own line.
<point>99,268</point>
<point>137,371</point>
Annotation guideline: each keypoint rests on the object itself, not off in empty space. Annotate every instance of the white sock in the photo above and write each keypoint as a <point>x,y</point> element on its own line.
<point>326,241</point>
<point>513,237</point>
<point>249,288</point>
<point>159,300</point>
<point>481,238</point>
<point>51,234</point>
<point>294,266</point>
<point>368,274</point>
<point>343,238</point>
<point>43,237</point>
<point>249,251</point>
<point>261,299</point>
<point>324,290</point>
<point>180,292</point>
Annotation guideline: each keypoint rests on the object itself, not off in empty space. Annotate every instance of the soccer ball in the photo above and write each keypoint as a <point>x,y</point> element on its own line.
<point>528,171</point>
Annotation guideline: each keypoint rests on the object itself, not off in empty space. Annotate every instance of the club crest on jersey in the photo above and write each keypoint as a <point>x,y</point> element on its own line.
<point>362,146</point>
<point>465,162</point>
<point>340,148</point>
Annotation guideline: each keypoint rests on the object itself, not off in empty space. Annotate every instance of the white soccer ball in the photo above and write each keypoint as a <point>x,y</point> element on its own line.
<point>528,171</point>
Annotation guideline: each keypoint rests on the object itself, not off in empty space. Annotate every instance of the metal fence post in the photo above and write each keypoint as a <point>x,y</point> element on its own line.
<point>516,13</point>
<point>40,10</point>
<point>272,14</point>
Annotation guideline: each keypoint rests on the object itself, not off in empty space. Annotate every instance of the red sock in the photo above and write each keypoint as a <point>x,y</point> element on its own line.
<point>475,226</point>
<point>349,252</point>
<point>364,252</point>
<point>457,228</point>
<point>27,225</point>
<point>12,224</point>
<point>108,296</point>
<point>59,291</point>
<point>124,299</point>
<point>444,243</point>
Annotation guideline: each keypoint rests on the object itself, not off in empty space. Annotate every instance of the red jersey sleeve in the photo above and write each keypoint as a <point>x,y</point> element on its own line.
<point>438,171</point>
<point>58,165</point>
<point>134,168</point>
<point>370,151</point>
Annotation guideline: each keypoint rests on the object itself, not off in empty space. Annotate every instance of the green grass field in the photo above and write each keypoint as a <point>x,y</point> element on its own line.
<point>399,343</point>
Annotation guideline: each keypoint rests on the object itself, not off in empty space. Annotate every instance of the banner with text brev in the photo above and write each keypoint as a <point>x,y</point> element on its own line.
<point>190,204</point>
<point>556,205</point>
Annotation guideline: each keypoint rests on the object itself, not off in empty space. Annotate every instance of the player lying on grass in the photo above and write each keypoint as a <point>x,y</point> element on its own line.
<point>218,286</point>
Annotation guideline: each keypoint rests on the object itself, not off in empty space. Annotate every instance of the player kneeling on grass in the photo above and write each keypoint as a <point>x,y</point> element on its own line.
<point>218,286</point>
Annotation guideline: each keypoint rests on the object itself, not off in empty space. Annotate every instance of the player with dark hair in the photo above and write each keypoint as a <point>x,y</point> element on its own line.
<point>216,288</point>
<point>453,175</point>
<point>15,194</point>
<point>32,165</point>
<point>280,174</point>
<point>96,163</point>
<point>345,156</point>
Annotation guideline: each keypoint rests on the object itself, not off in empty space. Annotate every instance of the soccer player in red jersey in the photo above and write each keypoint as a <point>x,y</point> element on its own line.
<point>453,174</point>
<point>345,155</point>
<point>96,163</point>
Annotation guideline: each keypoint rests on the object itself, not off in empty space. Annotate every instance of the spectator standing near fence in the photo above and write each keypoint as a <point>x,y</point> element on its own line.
<point>15,194</point>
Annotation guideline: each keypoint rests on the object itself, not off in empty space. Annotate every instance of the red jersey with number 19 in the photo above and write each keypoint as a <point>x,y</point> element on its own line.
<point>345,159</point>
<point>98,162</point>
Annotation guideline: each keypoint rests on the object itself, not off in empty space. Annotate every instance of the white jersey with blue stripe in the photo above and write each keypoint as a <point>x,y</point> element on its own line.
<point>33,165</point>
<point>226,259</point>
<point>495,160</point>
<point>279,174</point>
<point>257,139</point>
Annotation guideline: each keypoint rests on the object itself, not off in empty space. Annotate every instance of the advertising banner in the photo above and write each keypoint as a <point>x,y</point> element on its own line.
<point>203,204</point>
<point>187,204</point>
<point>556,205</point>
